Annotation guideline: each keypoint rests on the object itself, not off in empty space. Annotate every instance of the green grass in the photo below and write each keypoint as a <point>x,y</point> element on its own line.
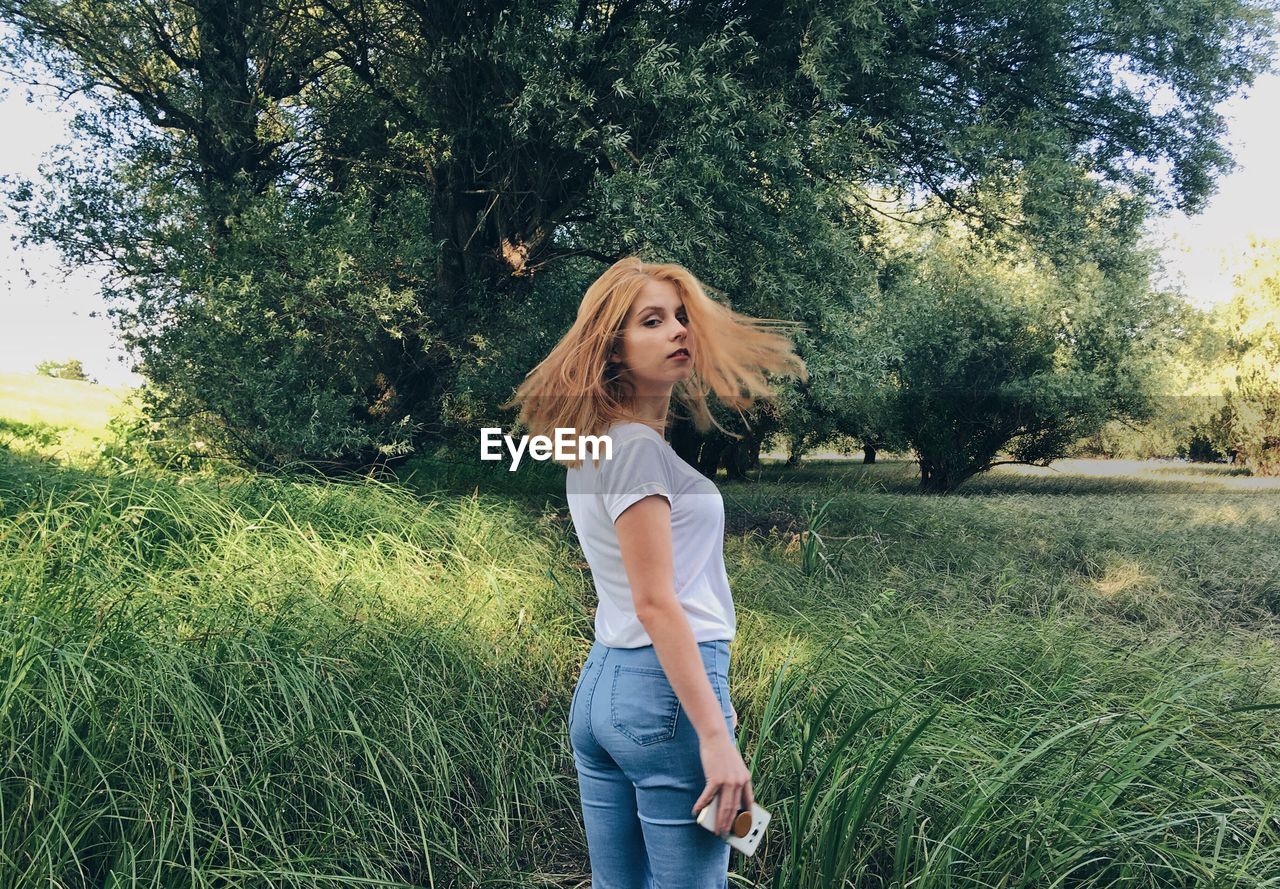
<point>1052,679</point>
<point>72,412</point>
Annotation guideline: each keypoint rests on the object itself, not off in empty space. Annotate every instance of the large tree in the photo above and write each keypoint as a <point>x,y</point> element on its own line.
<point>326,222</point>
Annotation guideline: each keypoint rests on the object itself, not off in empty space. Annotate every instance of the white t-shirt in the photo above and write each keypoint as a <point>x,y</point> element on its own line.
<point>644,464</point>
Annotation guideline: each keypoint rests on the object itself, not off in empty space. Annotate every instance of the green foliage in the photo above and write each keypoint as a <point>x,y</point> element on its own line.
<point>1221,383</point>
<point>1210,439</point>
<point>1251,320</point>
<point>37,433</point>
<point>294,352</point>
<point>1007,353</point>
<point>134,441</point>
<point>1191,418</point>
<point>834,797</point>
<point>72,369</point>
<point>324,228</point>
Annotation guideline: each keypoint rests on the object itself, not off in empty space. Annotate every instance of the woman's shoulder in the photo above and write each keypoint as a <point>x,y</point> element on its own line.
<point>627,435</point>
<point>625,431</point>
<point>621,435</point>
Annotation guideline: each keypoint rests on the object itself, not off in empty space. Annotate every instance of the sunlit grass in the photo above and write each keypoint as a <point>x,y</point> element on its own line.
<point>296,678</point>
<point>73,411</point>
<point>253,681</point>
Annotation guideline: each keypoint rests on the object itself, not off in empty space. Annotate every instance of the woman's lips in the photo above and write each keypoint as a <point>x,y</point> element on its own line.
<point>679,356</point>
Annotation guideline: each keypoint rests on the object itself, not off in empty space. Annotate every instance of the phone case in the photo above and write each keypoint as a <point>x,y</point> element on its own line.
<point>747,837</point>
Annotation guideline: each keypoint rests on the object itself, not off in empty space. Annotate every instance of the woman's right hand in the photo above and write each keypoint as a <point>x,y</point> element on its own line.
<point>728,776</point>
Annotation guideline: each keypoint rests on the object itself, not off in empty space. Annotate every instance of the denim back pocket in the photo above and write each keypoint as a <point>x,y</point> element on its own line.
<point>643,705</point>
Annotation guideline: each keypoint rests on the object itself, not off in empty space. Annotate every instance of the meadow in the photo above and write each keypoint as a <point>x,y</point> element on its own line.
<point>1059,677</point>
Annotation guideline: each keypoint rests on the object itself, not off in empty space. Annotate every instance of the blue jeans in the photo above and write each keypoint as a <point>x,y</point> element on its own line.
<point>640,771</point>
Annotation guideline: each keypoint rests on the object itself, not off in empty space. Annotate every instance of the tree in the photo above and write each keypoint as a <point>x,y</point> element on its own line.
<point>1011,354</point>
<point>1251,366</point>
<point>1191,418</point>
<point>72,369</point>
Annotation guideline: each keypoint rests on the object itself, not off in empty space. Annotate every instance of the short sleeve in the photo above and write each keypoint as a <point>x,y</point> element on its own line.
<point>638,469</point>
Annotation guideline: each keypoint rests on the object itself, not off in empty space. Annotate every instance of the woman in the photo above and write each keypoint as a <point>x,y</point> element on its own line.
<point>651,725</point>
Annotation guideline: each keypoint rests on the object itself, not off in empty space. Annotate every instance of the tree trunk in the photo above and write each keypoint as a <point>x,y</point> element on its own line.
<point>940,478</point>
<point>738,457</point>
<point>227,136</point>
<point>686,441</point>
<point>709,457</point>
<point>796,451</point>
<point>933,478</point>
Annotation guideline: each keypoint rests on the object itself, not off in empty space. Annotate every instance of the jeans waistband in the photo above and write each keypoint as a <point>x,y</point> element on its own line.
<point>715,655</point>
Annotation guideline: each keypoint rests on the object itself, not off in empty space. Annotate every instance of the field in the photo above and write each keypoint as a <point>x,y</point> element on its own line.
<point>1061,677</point>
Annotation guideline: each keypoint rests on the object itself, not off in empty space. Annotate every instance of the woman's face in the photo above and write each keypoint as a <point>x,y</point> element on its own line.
<point>656,326</point>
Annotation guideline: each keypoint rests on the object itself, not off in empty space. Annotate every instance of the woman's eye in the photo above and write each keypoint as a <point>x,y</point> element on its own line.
<point>682,321</point>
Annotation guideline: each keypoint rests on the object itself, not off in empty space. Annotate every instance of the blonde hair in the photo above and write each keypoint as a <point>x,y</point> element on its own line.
<point>577,387</point>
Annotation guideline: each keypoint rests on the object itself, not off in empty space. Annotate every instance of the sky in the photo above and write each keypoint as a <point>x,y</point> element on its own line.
<point>51,313</point>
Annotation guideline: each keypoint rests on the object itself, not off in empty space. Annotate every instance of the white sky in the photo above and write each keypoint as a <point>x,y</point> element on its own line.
<point>1205,250</point>
<point>49,317</point>
<point>44,310</point>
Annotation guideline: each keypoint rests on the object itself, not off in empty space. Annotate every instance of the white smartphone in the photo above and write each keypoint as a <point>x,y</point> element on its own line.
<point>742,836</point>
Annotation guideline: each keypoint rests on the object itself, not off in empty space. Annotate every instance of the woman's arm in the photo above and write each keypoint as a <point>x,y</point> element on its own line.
<point>644,536</point>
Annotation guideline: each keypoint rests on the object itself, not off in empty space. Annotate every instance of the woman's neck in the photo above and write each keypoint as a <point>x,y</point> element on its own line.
<point>658,425</point>
<point>651,411</point>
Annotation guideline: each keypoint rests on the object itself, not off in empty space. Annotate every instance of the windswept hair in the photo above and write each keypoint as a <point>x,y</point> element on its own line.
<point>577,386</point>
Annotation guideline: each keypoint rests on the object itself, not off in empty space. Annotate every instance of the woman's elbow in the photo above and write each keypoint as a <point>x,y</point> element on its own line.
<point>657,606</point>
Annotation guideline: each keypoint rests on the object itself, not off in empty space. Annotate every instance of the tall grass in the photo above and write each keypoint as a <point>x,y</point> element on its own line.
<point>279,684</point>
<point>252,681</point>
